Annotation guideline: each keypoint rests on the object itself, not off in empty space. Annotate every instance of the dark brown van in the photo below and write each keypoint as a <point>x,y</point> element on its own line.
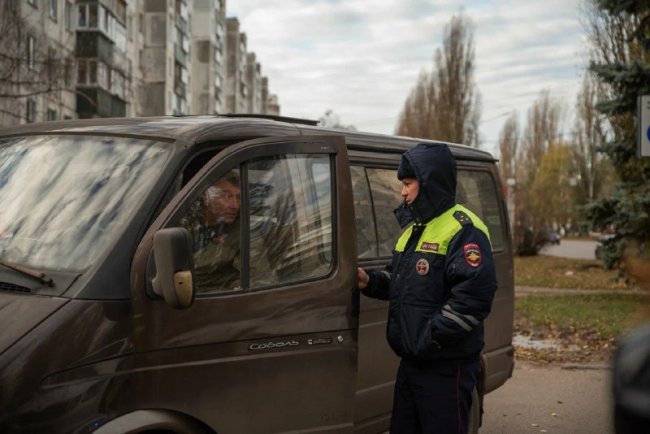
<point>115,321</point>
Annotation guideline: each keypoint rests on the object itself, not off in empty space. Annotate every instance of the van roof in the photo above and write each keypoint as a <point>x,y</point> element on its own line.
<point>190,130</point>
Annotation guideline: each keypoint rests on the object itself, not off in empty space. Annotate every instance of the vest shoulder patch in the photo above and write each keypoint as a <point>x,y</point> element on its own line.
<point>462,218</point>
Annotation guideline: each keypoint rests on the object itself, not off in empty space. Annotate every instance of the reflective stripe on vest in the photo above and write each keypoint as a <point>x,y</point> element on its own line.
<point>438,233</point>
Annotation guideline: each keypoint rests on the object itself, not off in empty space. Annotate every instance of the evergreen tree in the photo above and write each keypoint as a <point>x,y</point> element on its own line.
<point>620,36</point>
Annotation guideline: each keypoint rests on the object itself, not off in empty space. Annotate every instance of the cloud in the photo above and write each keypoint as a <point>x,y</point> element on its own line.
<point>362,57</point>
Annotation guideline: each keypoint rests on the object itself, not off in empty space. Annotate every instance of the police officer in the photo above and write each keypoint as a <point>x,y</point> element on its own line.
<point>440,284</point>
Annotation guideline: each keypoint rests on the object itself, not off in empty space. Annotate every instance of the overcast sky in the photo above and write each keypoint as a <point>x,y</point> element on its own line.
<point>361,58</point>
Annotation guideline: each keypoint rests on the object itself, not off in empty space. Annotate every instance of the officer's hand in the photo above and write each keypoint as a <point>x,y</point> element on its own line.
<point>363,278</point>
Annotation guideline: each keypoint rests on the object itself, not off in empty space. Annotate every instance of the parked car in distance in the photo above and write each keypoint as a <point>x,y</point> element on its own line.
<point>554,237</point>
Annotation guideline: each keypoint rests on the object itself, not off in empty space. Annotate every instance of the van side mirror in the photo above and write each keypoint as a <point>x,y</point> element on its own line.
<point>172,248</point>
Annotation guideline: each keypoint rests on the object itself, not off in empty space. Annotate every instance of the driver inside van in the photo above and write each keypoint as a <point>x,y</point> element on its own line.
<point>213,222</point>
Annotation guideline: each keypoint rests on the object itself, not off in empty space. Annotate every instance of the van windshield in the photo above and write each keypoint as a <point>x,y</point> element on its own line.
<point>65,199</point>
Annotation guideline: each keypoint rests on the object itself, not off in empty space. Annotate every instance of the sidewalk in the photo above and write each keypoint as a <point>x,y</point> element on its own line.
<point>528,290</point>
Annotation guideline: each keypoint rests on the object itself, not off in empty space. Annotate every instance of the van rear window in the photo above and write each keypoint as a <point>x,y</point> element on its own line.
<point>477,191</point>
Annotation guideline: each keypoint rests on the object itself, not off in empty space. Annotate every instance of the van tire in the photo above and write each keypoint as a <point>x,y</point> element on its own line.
<point>474,419</point>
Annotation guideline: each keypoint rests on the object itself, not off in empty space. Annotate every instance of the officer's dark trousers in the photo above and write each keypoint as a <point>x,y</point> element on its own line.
<point>433,397</point>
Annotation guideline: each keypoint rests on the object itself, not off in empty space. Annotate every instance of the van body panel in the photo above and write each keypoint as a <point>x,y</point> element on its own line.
<point>307,355</point>
<point>377,366</point>
<point>60,377</point>
<point>19,314</point>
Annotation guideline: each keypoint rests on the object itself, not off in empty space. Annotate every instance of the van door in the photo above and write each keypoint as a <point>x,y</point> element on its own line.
<point>270,342</point>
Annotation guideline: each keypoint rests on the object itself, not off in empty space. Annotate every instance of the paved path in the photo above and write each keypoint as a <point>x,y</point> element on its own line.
<point>551,399</point>
<point>576,249</point>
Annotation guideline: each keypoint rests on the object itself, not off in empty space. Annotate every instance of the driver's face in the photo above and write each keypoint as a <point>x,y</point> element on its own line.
<point>222,202</point>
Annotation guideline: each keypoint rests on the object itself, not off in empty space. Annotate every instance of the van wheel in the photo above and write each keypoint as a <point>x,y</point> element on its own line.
<point>474,414</point>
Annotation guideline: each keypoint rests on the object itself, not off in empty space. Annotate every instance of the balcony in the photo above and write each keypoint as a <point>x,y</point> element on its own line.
<point>96,102</point>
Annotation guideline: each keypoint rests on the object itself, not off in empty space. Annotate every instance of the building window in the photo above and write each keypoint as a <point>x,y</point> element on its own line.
<point>129,28</point>
<point>83,16</point>
<point>52,115</point>
<point>68,15</point>
<point>31,52</point>
<point>92,16</point>
<point>92,71</point>
<point>81,72</point>
<point>88,16</point>
<point>118,84</point>
<point>30,115</point>
<point>54,9</point>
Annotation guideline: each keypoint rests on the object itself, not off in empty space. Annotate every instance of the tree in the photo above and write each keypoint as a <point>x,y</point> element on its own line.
<point>444,104</point>
<point>594,170</point>
<point>552,189</point>
<point>508,145</point>
<point>542,131</point>
<point>619,36</point>
<point>534,218</point>
<point>331,120</point>
<point>417,114</point>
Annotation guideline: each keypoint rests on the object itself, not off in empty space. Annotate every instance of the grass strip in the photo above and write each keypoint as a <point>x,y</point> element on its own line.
<point>552,272</point>
<point>599,316</point>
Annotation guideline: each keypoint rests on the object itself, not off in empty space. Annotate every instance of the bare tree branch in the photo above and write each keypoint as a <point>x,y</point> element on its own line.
<point>445,105</point>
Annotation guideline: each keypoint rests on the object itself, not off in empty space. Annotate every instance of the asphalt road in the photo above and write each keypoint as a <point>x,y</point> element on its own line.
<point>550,399</point>
<point>576,249</point>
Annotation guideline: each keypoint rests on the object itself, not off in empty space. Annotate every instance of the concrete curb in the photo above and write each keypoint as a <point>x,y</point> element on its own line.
<point>586,366</point>
<point>526,290</point>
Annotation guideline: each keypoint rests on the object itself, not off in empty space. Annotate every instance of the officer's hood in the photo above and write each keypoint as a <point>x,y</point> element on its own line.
<point>435,169</point>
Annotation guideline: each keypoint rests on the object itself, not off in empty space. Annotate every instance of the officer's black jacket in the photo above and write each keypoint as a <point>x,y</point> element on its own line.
<point>438,299</point>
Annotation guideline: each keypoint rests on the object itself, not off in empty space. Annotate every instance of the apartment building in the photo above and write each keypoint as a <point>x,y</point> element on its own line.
<point>166,57</point>
<point>208,61</point>
<point>236,86</point>
<point>103,81</point>
<point>254,81</point>
<point>100,58</point>
<point>37,40</point>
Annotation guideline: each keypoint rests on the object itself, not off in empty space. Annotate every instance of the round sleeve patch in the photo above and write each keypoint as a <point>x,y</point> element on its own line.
<point>473,255</point>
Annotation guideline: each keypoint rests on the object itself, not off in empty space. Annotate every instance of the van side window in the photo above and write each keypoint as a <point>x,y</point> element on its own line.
<point>385,188</point>
<point>477,191</point>
<point>214,224</point>
<point>290,218</point>
<point>364,219</point>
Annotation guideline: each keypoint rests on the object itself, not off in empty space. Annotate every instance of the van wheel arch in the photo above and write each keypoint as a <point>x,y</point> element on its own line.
<point>154,422</point>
